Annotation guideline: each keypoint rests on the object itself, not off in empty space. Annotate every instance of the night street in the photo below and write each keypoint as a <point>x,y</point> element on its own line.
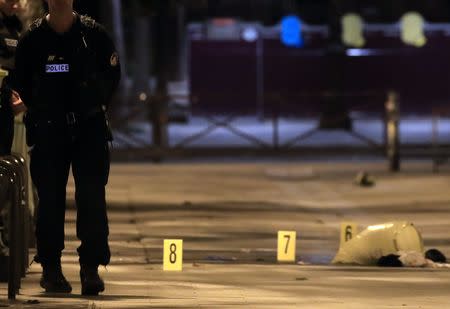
<point>228,215</point>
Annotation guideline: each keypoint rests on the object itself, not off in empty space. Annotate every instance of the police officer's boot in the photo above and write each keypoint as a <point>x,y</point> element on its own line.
<point>91,283</point>
<point>53,280</point>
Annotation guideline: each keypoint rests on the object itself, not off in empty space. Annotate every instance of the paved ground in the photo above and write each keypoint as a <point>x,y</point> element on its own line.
<point>228,215</point>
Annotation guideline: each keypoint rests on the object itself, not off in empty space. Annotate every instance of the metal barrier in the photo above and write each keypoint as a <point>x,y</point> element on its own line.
<point>13,181</point>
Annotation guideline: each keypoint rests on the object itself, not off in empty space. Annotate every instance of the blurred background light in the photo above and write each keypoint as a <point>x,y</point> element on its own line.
<point>291,31</point>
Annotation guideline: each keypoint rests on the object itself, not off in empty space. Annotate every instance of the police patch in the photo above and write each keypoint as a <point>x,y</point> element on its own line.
<point>114,60</point>
<point>57,68</point>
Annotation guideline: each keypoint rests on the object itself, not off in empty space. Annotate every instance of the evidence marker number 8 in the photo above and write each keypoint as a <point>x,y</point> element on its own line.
<point>173,255</point>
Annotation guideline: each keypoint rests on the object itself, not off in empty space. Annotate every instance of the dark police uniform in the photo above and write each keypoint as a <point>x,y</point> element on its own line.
<point>66,81</point>
<point>10,28</point>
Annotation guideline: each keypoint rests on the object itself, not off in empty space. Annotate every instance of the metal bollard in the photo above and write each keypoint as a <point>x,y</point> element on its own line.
<point>392,131</point>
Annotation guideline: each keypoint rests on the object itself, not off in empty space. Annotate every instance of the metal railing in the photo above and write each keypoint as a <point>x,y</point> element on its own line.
<point>14,182</point>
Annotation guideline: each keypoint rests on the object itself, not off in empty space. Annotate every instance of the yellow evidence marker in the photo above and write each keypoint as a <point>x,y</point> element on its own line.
<point>173,255</point>
<point>348,231</point>
<point>286,246</point>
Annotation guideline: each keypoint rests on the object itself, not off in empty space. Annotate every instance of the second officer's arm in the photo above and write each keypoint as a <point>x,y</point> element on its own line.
<point>23,77</point>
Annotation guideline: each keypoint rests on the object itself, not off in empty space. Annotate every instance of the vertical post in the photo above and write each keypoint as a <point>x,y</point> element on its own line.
<point>435,141</point>
<point>275,123</point>
<point>113,9</point>
<point>116,7</point>
<point>141,55</point>
<point>392,131</point>
<point>260,75</point>
<point>335,112</point>
<point>182,41</point>
<point>158,106</point>
<point>13,258</point>
<point>276,102</point>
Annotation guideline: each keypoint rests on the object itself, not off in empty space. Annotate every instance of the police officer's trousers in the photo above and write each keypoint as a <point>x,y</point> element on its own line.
<point>55,150</point>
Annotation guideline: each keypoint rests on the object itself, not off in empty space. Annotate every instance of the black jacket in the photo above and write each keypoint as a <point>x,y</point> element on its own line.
<point>10,27</point>
<point>75,72</point>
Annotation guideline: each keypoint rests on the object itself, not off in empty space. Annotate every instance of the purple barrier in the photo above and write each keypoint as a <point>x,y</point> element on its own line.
<point>300,82</point>
<point>223,77</point>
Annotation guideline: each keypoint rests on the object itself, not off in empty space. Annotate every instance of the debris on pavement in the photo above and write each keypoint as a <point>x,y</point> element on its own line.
<point>217,258</point>
<point>364,179</point>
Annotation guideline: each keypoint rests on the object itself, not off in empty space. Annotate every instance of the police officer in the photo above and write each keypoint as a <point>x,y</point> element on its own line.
<point>10,28</point>
<point>67,70</point>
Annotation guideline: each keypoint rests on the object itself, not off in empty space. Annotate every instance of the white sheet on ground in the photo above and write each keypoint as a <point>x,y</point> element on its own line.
<point>379,240</point>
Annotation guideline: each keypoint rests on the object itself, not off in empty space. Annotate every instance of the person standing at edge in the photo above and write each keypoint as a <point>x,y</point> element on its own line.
<point>67,70</point>
<point>10,103</point>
